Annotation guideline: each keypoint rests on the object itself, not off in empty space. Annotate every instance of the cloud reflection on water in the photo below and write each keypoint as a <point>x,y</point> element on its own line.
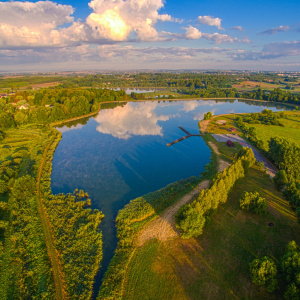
<point>132,119</point>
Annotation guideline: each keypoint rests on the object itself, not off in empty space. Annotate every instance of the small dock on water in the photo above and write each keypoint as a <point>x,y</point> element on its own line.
<point>183,138</point>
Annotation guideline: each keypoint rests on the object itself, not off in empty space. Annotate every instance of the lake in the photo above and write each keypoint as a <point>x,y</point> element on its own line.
<point>122,153</point>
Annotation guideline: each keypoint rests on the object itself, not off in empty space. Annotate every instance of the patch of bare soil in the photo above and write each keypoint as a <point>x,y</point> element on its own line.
<point>222,165</point>
<point>45,85</point>
<point>164,226</point>
<point>204,125</point>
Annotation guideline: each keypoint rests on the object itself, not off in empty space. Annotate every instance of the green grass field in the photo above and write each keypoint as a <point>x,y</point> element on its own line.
<point>290,131</point>
<point>216,265</point>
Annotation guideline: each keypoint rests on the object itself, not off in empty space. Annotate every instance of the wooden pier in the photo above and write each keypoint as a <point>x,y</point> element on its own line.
<point>183,138</point>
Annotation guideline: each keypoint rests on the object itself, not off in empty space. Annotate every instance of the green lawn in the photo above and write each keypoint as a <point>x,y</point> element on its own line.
<point>290,131</point>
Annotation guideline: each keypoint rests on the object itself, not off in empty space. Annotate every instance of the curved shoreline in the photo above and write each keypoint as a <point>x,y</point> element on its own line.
<point>156,100</point>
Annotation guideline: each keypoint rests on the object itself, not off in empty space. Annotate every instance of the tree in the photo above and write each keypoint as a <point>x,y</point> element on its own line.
<point>3,187</point>
<point>263,272</point>
<point>190,222</point>
<point>208,115</point>
<point>291,269</point>
<point>21,118</point>
<point>280,179</point>
<point>24,187</point>
<point>254,203</point>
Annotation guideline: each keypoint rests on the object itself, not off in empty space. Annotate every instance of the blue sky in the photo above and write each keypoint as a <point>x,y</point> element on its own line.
<point>149,34</point>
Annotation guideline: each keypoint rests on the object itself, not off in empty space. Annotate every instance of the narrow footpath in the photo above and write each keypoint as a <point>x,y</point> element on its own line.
<point>164,227</point>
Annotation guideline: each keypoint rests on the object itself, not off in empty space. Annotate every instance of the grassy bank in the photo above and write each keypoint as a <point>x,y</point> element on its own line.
<point>130,221</point>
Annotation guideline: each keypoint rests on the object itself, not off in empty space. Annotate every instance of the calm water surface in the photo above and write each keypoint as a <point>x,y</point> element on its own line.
<point>122,153</point>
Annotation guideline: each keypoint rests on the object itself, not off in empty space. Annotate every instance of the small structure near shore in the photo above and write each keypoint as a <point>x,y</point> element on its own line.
<point>183,138</point>
<point>230,143</point>
<point>232,129</point>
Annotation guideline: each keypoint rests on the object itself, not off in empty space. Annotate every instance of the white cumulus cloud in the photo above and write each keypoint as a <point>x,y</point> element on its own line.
<point>192,33</point>
<point>115,20</point>
<point>211,21</point>
<point>32,24</point>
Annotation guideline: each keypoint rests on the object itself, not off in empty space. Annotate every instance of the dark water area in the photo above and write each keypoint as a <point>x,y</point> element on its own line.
<point>122,154</point>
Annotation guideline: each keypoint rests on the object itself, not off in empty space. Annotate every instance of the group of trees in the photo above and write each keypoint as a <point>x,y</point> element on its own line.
<point>55,104</point>
<point>286,156</point>
<point>264,272</point>
<point>191,218</point>
<point>266,117</point>
<point>254,203</point>
<point>25,271</point>
<point>277,95</point>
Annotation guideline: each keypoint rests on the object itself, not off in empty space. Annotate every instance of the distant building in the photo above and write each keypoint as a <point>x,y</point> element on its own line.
<point>24,106</point>
<point>3,95</point>
<point>232,129</point>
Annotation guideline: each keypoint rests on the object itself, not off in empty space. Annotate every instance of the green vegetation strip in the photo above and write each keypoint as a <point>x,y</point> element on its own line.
<point>58,274</point>
<point>191,218</point>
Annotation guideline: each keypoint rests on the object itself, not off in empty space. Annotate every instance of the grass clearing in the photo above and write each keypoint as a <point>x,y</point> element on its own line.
<point>215,126</point>
<point>290,131</point>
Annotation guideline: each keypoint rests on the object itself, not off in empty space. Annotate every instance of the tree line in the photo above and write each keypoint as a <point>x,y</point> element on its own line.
<point>191,218</point>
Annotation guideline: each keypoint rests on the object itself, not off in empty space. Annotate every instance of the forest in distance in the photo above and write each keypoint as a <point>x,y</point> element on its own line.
<point>51,245</point>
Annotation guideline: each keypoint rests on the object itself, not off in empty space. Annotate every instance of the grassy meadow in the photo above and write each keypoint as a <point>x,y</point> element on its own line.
<point>290,131</point>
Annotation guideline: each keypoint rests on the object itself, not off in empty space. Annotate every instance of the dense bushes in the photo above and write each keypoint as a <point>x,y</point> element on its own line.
<point>266,117</point>
<point>191,217</point>
<point>286,156</point>
<point>254,203</point>
<point>25,270</point>
<point>263,272</point>
<point>290,265</point>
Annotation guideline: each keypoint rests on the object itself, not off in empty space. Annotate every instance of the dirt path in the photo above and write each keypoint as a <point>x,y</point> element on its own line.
<point>164,227</point>
<point>57,272</point>
<point>271,169</point>
<point>222,164</point>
